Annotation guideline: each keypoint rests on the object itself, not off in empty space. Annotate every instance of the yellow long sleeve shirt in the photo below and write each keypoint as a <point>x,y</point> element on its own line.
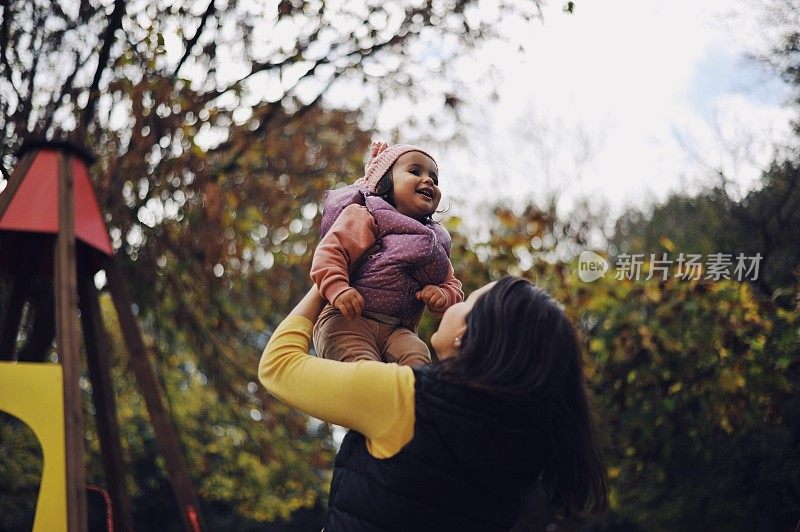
<point>373,398</point>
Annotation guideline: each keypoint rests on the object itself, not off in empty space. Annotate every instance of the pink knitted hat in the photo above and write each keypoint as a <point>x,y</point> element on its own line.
<point>382,157</point>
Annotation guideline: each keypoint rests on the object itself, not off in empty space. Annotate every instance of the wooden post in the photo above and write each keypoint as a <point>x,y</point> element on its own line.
<point>67,333</point>
<point>151,390</point>
<point>97,351</point>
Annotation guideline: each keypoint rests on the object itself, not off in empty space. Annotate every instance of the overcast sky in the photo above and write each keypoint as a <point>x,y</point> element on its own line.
<point>625,100</point>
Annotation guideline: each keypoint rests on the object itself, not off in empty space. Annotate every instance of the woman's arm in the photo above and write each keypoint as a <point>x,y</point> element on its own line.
<point>373,398</point>
<point>310,306</point>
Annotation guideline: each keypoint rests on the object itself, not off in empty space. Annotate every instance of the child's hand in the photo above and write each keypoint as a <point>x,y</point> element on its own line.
<point>433,297</point>
<point>374,150</point>
<point>349,303</point>
<point>377,147</point>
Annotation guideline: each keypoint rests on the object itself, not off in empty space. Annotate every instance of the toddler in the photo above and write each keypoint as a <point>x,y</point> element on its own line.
<point>381,259</point>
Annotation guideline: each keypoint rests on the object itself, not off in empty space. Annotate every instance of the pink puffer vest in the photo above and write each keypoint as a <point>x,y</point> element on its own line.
<point>408,255</point>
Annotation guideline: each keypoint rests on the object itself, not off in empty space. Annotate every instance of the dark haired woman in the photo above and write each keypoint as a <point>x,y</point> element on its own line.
<point>455,445</point>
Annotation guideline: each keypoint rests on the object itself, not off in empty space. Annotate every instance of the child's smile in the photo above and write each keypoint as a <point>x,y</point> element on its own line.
<point>426,191</point>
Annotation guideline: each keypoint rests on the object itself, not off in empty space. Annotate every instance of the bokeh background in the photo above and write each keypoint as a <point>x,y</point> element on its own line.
<point>619,127</point>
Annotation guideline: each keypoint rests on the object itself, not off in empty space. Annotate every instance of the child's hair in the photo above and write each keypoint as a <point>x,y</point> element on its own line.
<point>519,343</point>
<point>384,189</point>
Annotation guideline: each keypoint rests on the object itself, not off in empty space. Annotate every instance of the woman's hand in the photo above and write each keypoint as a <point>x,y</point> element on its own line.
<point>310,306</point>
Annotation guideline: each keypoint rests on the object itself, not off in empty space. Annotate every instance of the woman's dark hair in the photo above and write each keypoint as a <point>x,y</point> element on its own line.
<point>519,343</point>
<point>384,188</point>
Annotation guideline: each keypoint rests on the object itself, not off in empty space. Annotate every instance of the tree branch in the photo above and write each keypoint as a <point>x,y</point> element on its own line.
<point>24,111</point>
<point>5,172</point>
<point>55,101</point>
<point>4,39</point>
<point>233,161</point>
<point>189,45</point>
<point>114,23</point>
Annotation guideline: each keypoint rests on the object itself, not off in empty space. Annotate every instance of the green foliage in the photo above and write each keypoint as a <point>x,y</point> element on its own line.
<point>693,384</point>
<point>765,221</point>
<point>20,473</point>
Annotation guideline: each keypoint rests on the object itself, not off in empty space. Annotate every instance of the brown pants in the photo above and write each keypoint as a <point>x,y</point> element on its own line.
<point>339,338</point>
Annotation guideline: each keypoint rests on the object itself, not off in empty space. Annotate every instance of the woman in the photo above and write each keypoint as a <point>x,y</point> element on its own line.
<point>458,444</point>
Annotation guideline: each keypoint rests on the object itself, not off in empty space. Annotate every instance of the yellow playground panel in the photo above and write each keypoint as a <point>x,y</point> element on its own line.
<point>33,392</point>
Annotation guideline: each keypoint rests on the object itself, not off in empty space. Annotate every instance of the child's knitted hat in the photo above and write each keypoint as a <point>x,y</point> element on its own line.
<point>382,157</point>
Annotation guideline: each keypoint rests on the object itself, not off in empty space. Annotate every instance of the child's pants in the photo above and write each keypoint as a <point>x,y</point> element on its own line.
<point>339,338</point>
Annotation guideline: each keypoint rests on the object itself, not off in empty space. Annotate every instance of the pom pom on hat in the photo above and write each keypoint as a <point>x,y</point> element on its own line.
<point>382,157</point>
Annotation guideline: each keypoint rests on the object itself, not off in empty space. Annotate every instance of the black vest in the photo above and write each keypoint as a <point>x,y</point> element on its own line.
<point>472,459</point>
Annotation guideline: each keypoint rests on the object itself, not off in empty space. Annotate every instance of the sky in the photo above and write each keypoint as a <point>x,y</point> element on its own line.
<point>622,101</point>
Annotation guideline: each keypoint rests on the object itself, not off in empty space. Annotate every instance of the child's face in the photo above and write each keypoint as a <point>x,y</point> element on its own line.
<point>416,185</point>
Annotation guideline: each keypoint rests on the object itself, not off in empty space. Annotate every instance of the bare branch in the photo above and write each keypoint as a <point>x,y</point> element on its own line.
<point>189,45</point>
<point>257,68</point>
<point>264,67</point>
<point>55,101</point>
<point>4,39</point>
<point>5,172</point>
<point>24,111</point>
<point>114,23</point>
<point>233,161</point>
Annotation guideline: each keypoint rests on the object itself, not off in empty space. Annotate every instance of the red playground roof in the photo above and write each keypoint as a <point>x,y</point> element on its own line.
<point>34,207</point>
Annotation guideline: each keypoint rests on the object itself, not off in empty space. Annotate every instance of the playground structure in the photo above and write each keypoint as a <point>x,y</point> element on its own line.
<point>53,240</point>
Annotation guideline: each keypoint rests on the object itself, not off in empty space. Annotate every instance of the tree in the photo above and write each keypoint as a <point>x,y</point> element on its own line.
<point>722,451</point>
<point>766,222</point>
<point>694,380</point>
